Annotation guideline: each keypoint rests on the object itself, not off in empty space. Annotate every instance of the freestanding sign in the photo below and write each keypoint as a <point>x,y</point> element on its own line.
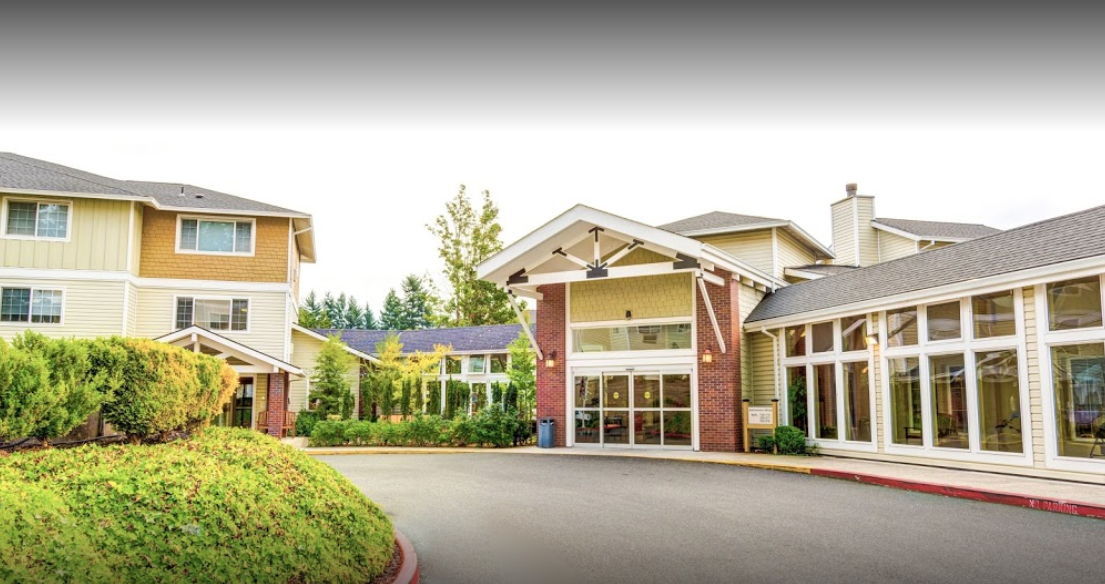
<point>759,418</point>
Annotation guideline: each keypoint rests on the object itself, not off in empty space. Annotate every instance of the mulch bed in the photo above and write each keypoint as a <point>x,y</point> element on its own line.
<point>393,568</point>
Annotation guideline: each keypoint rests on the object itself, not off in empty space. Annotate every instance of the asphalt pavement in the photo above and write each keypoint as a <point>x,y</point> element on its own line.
<point>556,519</point>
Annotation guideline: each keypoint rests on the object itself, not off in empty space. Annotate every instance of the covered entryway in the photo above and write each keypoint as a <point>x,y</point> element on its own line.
<point>633,408</point>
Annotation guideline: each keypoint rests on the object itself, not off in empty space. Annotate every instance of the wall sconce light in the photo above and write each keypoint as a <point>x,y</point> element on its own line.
<point>872,340</point>
<point>629,315</point>
<point>707,356</point>
<point>550,360</point>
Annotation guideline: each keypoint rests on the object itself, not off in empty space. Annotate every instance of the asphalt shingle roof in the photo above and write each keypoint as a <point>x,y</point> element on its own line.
<point>490,338</point>
<point>825,269</point>
<point>940,229</point>
<point>1062,239</point>
<point>715,220</point>
<point>24,173</point>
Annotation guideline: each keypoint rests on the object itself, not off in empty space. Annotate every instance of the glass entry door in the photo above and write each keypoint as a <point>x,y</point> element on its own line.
<point>620,409</point>
<point>243,404</point>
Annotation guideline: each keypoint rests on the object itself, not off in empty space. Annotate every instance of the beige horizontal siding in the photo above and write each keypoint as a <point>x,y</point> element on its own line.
<point>892,247</point>
<point>156,316</point>
<point>868,244</point>
<point>90,308</point>
<point>844,233</point>
<point>305,352</point>
<point>792,253</point>
<point>753,247</point>
<point>1035,381</point>
<point>97,240</point>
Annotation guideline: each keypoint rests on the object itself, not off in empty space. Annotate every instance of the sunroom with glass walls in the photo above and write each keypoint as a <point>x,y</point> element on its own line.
<point>1072,354</point>
<point>829,376</point>
<point>954,383</point>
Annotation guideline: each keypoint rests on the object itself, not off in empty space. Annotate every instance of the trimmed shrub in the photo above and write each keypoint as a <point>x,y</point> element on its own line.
<point>328,433</point>
<point>358,433</point>
<point>490,427</point>
<point>792,440</point>
<point>25,397</point>
<point>212,509</point>
<point>767,442</point>
<point>164,388</point>
<point>305,423</point>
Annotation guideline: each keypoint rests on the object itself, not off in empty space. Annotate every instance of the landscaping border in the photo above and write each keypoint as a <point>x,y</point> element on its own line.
<point>408,571</point>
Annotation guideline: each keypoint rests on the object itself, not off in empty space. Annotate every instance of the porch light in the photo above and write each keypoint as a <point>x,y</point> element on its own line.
<point>629,315</point>
<point>550,361</point>
<point>707,356</point>
<point>872,340</point>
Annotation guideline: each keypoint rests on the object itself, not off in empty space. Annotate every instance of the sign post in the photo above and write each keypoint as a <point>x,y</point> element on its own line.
<point>759,418</point>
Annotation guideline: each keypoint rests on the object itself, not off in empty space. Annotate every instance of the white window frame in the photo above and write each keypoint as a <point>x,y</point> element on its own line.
<point>216,219</point>
<point>68,219</point>
<point>1046,339</point>
<point>231,299</point>
<point>29,323</point>
<point>482,371</point>
<point>603,355</point>
<point>837,358</point>
<point>966,345</point>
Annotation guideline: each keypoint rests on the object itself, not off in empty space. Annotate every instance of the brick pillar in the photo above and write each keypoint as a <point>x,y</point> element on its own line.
<point>551,315</point>
<point>719,387</point>
<point>277,404</point>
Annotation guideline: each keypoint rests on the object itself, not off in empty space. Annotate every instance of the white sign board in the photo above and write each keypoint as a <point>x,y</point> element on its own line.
<point>760,416</point>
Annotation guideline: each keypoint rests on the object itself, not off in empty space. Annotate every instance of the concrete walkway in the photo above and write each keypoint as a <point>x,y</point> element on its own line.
<point>1048,495</point>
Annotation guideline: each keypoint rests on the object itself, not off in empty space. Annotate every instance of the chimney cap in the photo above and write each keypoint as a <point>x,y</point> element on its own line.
<point>851,188</point>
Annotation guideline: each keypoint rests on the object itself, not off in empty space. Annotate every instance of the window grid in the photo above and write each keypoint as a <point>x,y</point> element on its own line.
<point>15,305</point>
<point>213,314</point>
<point>216,236</point>
<point>31,305</point>
<point>31,219</point>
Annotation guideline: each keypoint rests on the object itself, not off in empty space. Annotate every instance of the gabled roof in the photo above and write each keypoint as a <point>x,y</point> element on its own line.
<point>577,223</point>
<point>25,175</point>
<point>230,345</point>
<point>816,271</point>
<point>1053,241</point>
<point>321,337</point>
<point>721,223</point>
<point>470,339</point>
<point>934,230</point>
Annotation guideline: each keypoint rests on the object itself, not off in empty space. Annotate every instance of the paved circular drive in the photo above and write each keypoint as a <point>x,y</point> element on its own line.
<point>516,518</point>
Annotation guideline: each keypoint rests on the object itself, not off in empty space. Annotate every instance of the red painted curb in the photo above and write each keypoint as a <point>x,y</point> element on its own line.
<point>1043,504</point>
<point>408,573</point>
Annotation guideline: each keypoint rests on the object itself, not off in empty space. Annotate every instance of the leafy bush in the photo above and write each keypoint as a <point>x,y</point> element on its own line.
<point>358,432</point>
<point>328,433</point>
<point>305,422</point>
<point>212,509</point>
<point>163,387</point>
<point>490,427</point>
<point>791,440</point>
<point>767,442</point>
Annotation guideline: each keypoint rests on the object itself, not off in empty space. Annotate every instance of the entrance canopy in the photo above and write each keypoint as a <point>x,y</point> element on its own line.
<point>243,359</point>
<point>588,244</point>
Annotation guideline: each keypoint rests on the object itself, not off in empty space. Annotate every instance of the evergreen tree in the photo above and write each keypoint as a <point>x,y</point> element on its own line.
<point>353,314</point>
<point>312,314</point>
<point>416,303</point>
<point>330,383</point>
<point>392,316</point>
<point>523,376</point>
<point>368,319</point>
<point>465,239</point>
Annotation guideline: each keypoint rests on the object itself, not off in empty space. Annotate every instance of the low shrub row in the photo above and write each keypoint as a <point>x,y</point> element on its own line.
<point>789,439</point>
<point>228,506</point>
<point>143,387</point>
<point>490,427</point>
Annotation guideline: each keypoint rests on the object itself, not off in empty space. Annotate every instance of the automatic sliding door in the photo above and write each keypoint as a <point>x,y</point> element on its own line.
<point>615,410</point>
<point>633,410</point>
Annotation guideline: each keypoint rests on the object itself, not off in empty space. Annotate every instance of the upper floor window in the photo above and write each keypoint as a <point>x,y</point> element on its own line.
<point>30,305</point>
<point>1074,304</point>
<point>212,313</point>
<point>36,219</point>
<point>646,337</point>
<point>476,364</point>
<point>216,236</point>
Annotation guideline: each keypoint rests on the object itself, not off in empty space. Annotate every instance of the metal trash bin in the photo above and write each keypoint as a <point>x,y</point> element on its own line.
<point>545,433</point>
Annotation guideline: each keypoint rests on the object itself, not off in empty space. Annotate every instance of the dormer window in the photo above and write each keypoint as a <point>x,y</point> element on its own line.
<point>215,236</point>
<point>48,220</point>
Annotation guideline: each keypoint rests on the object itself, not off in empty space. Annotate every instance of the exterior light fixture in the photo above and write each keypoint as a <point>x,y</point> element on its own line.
<point>872,340</point>
<point>629,315</point>
<point>550,361</point>
<point>707,356</point>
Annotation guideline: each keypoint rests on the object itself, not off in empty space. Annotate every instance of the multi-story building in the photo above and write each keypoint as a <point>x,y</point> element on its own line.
<point>82,255</point>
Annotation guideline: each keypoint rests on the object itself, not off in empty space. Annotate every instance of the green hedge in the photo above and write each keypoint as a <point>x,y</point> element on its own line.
<point>489,427</point>
<point>228,506</point>
<point>789,439</point>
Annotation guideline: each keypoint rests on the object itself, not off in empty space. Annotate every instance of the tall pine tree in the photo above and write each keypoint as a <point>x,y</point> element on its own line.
<point>368,319</point>
<point>392,317</point>
<point>416,303</point>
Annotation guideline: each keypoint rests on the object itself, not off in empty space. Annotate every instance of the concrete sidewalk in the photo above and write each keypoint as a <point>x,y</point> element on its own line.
<point>1049,495</point>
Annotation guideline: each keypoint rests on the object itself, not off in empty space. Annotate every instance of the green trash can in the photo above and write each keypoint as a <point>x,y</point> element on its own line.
<point>545,434</point>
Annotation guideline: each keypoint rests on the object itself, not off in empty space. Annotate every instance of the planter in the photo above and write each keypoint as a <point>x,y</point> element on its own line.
<point>408,561</point>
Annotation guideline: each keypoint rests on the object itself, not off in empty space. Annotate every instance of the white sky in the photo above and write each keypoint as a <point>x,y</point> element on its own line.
<point>982,132</point>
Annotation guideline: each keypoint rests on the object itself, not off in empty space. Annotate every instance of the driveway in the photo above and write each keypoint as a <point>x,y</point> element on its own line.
<point>516,518</point>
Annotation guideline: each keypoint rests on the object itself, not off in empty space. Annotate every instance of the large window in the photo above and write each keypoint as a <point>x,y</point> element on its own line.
<point>901,327</point>
<point>857,402</point>
<point>1079,380</point>
<point>905,401</point>
<point>796,341</point>
<point>999,401</point>
<point>34,219</point>
<point>944,321</point>
<point>822,337</point>
<point>853,333</point>
<point>948,384</point>
<point>213,314</point>
<point>216,236</point>
<point>797,398</point>
<point>1074,304</point>
<point>994,315</point>
<point>645,337</point>
<point>824,377</point>
<point>31,305</point>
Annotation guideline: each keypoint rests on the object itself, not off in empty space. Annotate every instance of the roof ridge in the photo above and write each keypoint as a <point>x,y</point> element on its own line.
<point>934,221</point>
<point>8,156</point>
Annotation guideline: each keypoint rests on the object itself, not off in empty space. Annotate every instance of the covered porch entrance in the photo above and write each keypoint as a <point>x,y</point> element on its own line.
<point>633,408</point>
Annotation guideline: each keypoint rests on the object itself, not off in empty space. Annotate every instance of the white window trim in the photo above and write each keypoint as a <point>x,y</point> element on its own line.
<point>68,219</point>
<point>231,299</point>
<point>217,219</point>
<point>29,324</point>
<point>967,345</point>
<point>837,358</point>
<point>468,367</point>
<point>1045,340</point>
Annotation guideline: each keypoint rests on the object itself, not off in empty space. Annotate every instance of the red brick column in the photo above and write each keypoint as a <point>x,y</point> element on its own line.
<point>719,393</point>
<point>551,315</point>
<point>277,404</point>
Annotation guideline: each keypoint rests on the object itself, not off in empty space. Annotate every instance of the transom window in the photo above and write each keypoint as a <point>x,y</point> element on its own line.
<point>30,305</point>
<point>645,337</point>
<point>213,314</point>
<point>216,236</point>
<point>36,219</point>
